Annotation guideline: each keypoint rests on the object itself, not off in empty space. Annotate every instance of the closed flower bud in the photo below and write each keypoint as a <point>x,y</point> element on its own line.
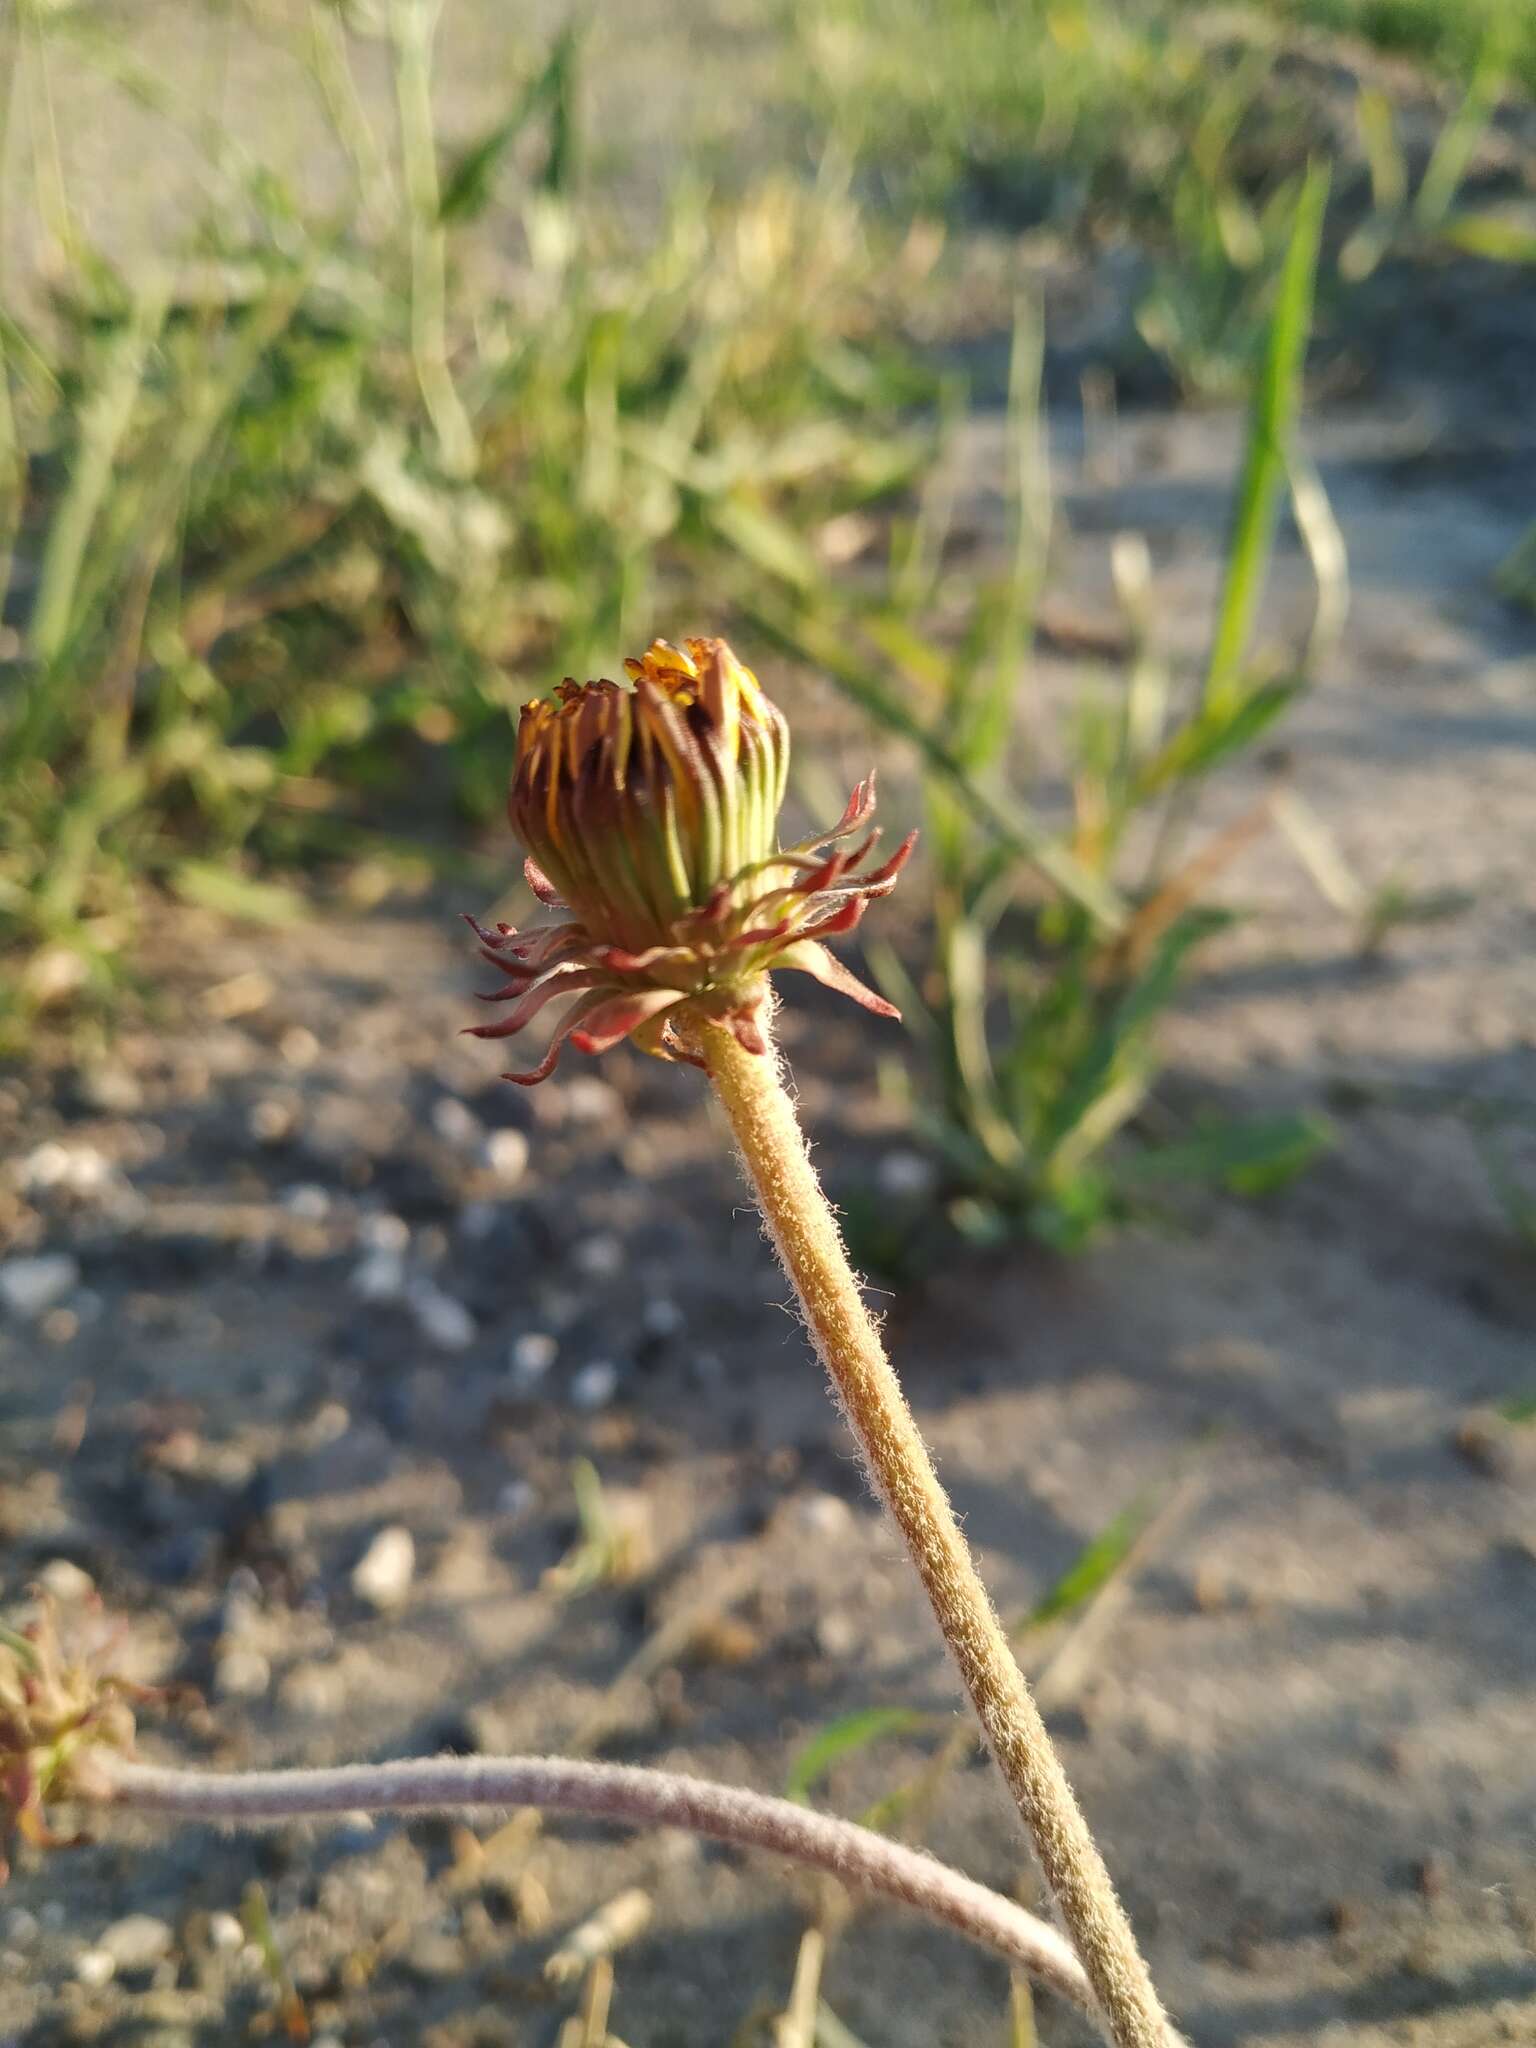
<point>650,814</point>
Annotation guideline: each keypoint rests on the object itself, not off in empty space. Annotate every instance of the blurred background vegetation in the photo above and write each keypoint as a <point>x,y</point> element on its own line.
<point>325,440</point>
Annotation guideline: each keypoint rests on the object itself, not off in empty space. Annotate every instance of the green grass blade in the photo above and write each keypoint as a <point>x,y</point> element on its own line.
<point>103,425</point>
<point>844,1738</point>
<point>1092,1569</point>
<point>1271,419</point>
<point>819,643</point>
<point>1251,1157</point>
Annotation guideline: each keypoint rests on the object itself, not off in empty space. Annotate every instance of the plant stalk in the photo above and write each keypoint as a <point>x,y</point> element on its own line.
<point>804,1231</point>
<point>641,1798</point>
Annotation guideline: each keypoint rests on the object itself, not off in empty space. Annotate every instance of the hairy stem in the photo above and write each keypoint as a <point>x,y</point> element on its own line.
<point>804,1231</point>
<point>619,1792</point>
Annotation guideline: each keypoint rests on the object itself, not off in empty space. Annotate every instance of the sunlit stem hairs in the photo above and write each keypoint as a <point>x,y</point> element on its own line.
<point>650,818</point>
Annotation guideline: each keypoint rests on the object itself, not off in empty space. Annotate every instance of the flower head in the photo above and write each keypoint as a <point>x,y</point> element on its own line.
<point>650,814</point>
<point>61,1707</point>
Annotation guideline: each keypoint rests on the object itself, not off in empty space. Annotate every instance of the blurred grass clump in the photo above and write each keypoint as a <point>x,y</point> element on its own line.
<point>295,513</point>
<point>1063,931</point>
<point>1177,134</point>
<point>290,519</point>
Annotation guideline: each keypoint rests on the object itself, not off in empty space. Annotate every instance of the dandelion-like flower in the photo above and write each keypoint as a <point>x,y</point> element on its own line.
<point>650,814</point>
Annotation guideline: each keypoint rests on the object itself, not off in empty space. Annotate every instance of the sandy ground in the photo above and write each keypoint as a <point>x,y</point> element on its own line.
<point>306,1260</point>
<point>1304,1734</point>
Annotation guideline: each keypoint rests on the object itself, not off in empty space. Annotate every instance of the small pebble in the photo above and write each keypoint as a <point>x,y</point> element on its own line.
<point>299,1046</point>
<point>94,1968</point>
<point>455,1122</point>
<point>60,1325</point>
<point>271,1121</point>
<point>599,1258</point>
<point>384,1233</point>
<point>662,1319</point>
<point>137,1943</point>
<point>225,1933</point>
<point>444,1322</point>
<point>21,1927</point>
<point>477,1220</point>
<point>905,1172</point>
<point>383,1574</point>
<point>378,1277</point>
<point>825,1515</point>
<point>73,1169</point>
<point>112,1089</point>
<point>595,1385</point>
<point>532,1355</point>
<point>506,1154</point>
<point>586,1099</point>
<point>706,1368</point>
<point>65,1580</point>
<point>837,1635</point>
<point>31,1286</point>
<point>310,1204</point>
<point>515,1497</point>
<point>242,1674</point>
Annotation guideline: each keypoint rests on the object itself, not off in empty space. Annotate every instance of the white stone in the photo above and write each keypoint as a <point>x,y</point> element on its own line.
<point>587,1099</point>
<point>383,1574</point>
<point>532,1355</point>
<point>506,1154</point>
<point>94,1968</point>
<point>445,1323</point>
<point>455,1122</point>
<point>76,1169</point>
<point>310,1204</point>
<point>601,1257</point>
<point>65,1581</point>
<point>825,1514</point>
<point>137,1942</point>
<point>379,1276</point>
<point>384,1233</point>
<point>225,1933</point>
<point>242,1674</point>
<point>595,1385</point>
<point>905,1172</point>
<point>515,1497</point>
<point>662,1319</point>
<point>31,1286</point>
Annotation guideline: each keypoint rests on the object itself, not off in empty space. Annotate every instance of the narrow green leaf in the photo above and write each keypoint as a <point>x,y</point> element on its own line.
<point>1251,1157</point>
<point>235,895</point>
<point>1491,235</point>
<point>1271,419</point>
<point>470,183</point>
<point>843,1738</point>
<point>1092,1569</point>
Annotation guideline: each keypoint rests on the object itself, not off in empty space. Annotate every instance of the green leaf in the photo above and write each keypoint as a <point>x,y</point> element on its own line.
<point>470,183</point>
<point>235,895</point>
<point>1217,731</point>
<point>844,1738</point>
<point>1092,1569</point>
<point>765,540</point>
<point>1491,235</point>
<point>815,639</point>
<point>1271,419</point>
<point>1251,1158</point>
